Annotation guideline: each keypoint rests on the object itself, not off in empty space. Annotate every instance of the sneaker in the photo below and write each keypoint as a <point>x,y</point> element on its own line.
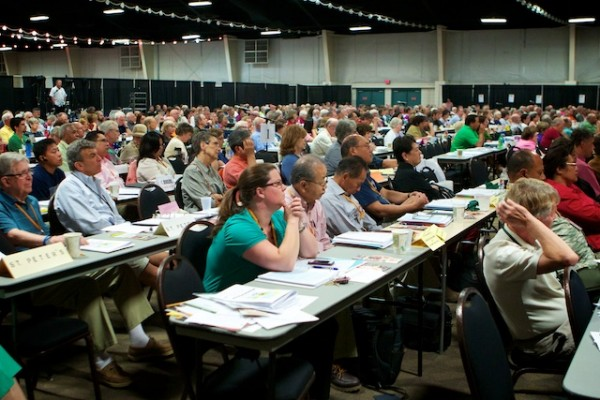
<point>113,375</point>
<point>344,381</point>
<point>153,349</point>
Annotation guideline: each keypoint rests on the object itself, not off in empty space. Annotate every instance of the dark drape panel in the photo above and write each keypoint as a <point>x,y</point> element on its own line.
<point>209,95</point>
<point>524,94</point>
<point>182,93</point>
<point>251,93</point>
<point>339,93</point>
<point>315,94</point>
<point>458,94</point>
<point>87,92</point>
<point>481,89</point>
<point>227,94</point>
<point>33,94</point>
<point>197,93</point>
<point>163,92</point>
<point>560,96</point>
<point>301,94</point>
<point>116,93</point>
<point>291,95</point>
<point>277,94</point>
<point>219,97</point>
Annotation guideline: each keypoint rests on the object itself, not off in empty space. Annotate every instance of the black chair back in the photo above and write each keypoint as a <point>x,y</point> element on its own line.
<point>151,196</point>
<point>56,227</point>
<point>177,164</point>
<point>481,349</point>
<point>267,156</point>
<point>193,244</point>
<point>579,306</point>
<point>179,194</point>
<point>479,173</point>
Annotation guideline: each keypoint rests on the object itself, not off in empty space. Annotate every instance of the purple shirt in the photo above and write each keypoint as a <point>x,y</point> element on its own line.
<point>585,172</point>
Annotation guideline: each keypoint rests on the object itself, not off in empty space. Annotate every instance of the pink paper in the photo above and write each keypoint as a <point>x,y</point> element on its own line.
<point>168,208</point>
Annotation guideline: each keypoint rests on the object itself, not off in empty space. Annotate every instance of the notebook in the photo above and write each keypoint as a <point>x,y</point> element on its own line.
<point>106,246</point>
<point>439,218</point>
<point>378,240</point>
<point>305,277</point>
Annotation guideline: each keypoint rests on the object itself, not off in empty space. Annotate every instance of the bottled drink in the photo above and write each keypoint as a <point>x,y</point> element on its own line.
<point>28,148</point>
<point>501,141</point>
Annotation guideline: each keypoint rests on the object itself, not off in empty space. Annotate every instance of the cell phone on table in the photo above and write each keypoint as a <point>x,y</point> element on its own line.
<point>317,261</point>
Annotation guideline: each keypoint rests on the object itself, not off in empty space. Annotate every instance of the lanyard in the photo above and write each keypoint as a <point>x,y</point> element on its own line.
<point>273,233</point>
<point>361,211</point>
<point>26,214</point>
<point>509,235</point>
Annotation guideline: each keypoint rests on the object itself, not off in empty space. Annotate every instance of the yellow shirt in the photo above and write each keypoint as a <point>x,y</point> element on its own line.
<point>6,133</point>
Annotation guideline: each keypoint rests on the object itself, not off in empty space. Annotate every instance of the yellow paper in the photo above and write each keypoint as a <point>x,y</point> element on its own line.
<point>432,237</point>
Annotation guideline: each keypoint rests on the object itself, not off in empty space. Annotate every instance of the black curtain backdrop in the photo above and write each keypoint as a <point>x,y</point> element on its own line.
<point>163,92</point>
<point>523,95</point>
<point>554,95</point>
<point>87,92</point>
<point>227,94</point>
<point>209,95</point>
<point>116,93</point>
<point>183,94</point>
<point>301,94</point>
<point>277,94</point>
<point>197,93</point>
<point>250,93</point>
<point>458,94</point>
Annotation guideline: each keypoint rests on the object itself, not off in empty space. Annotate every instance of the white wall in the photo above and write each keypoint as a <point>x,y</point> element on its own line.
<point>535,56</point>
<point>291,61</point>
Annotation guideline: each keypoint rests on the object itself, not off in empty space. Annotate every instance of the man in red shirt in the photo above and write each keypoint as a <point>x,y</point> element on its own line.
<point>242,146</point>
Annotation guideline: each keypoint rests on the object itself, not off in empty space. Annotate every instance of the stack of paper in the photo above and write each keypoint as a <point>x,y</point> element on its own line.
<point>426,218</point>
<point>310,277</point>
<point>106,246</point>
<point>478,192</point>
<point>446,204</point>
<point>378,240</point>
<point>241,296</point>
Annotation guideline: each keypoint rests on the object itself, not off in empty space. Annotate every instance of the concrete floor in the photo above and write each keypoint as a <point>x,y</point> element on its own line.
<point>443,376</point>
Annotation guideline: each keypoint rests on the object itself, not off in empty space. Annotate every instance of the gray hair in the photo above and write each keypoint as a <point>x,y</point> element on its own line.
<point>344,128</point>
<point>74,151</point>
<point>108,125</point>
<point>8,160</point>
<point>201,136</point>
<point>64,129</point>
<point>304,168</point>
<point>395,122</point>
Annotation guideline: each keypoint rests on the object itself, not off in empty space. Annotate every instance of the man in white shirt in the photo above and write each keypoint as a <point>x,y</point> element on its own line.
<point>326,136</point>
<point>177,145</point>
<point>58,97</point>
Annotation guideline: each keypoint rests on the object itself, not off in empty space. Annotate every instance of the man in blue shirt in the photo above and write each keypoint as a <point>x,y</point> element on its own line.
<point>379,202</point>
<point>21,222</point>
<point>46,175</point>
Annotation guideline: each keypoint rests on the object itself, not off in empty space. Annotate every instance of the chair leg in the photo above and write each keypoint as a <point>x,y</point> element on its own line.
<point>94,374</point>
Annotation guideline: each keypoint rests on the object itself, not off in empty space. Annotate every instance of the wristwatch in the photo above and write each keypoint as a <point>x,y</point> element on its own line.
<point>302,228</point>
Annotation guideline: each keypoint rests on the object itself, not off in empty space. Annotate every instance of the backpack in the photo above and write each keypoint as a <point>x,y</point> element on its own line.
<point>379,346</point>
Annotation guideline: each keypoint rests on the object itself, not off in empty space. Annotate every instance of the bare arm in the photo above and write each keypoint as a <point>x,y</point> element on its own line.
<point>556,254</point>
<point>283,258</point>
<point>30,240</point>
<point>413,203</point>
<point>480,140</point>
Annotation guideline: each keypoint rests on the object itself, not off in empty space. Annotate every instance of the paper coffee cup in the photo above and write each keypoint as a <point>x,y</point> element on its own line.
<point>402,240</point>
<point>458,212</point>
<point>72,243</point>
<point>484,202</point>
<point>206,203</point>
<point>459,153</point>
<point>113,188</point>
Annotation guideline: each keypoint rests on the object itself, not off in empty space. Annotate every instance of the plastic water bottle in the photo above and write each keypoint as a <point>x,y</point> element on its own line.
<point>501,141</point>
<point>28,148</point>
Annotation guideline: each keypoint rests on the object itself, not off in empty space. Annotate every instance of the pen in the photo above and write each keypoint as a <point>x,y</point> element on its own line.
<point>325,267</point>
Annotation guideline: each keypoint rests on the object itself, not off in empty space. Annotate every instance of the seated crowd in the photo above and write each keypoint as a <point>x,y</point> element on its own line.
<point>272,213</point>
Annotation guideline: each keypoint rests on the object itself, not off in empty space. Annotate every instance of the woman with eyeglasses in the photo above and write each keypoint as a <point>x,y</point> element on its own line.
<point>560,168</point>
<point>254,236</point>
<point>151,162</point>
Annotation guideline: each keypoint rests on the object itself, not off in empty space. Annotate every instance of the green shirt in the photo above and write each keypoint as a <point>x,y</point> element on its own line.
<point>225,264</point>
<point>15,143</point>
<point>465,138</point>
<point>8,370</point>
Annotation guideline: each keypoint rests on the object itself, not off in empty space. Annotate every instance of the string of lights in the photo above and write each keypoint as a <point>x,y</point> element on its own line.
<point>45,40</point>
<point>534,8</point>
<point>368,15</point>
<point>215,21</point>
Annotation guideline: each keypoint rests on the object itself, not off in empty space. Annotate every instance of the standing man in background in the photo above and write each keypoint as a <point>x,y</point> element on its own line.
<point>58,97</point>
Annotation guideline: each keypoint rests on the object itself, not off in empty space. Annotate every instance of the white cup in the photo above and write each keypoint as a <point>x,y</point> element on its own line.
<point>113,188</point>
<point>206,203</point>
<point>459,153</point>
<point>484,202</point>
<point>72,242</point>
<point>458,212</point>
<point>402,239</point>
<point>260,161</point>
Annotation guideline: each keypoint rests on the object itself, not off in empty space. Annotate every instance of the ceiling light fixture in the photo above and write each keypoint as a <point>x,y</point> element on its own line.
<point>190,37</point>
<point>59,45</point>
<point>270,33</point>
<point>113,11</point>
<point>5,48</point>
<point>581,20</point>
<point>37,18</point>
<point>493,20</point>
<point>360,28</point>
<point>200,3</point>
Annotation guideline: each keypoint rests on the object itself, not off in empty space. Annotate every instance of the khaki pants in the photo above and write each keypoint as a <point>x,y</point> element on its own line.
<point>84,295</point>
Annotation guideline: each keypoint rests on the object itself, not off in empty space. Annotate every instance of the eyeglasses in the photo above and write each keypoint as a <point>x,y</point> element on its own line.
<point>571,164</point>
<point>322,183</point>
<point>21,175</point>
<point>276,184</point>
